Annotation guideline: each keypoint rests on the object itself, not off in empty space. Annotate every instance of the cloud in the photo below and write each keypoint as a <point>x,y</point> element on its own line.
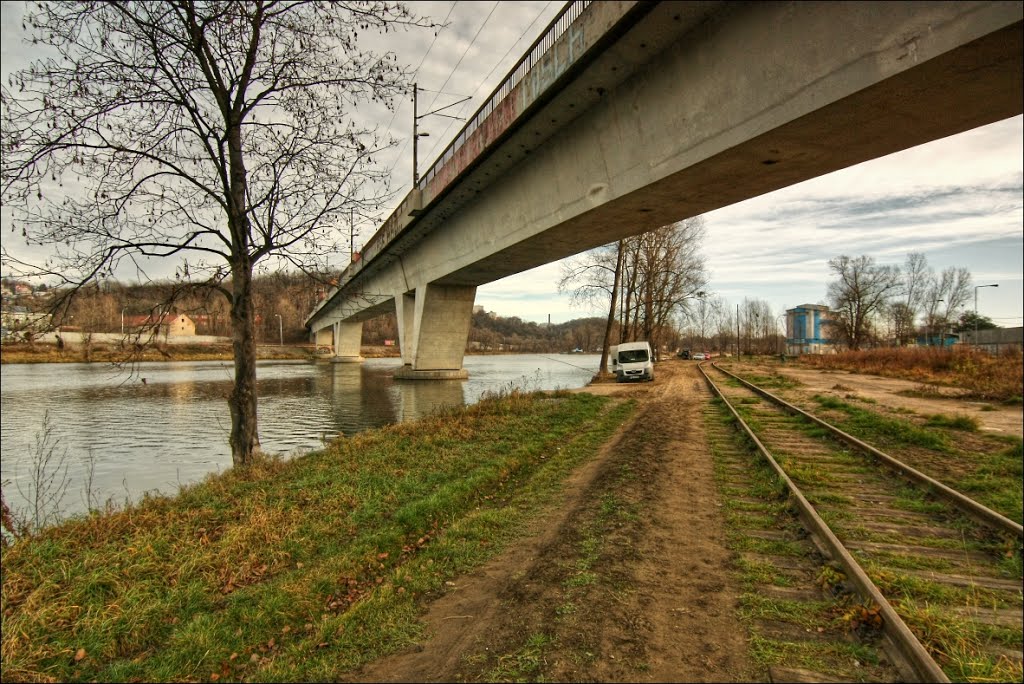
<point>957,200</point>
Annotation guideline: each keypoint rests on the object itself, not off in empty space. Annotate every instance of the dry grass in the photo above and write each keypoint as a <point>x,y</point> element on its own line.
<point>108,353</point>
<point>978,374</point>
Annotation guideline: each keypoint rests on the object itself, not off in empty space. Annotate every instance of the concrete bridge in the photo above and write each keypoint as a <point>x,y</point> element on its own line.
<point>628,116</point>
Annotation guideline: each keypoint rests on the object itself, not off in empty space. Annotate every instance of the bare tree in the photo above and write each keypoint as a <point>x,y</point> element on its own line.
<point>860,292</point>
<point>952,288</point>
<point>220,134</point>
<point>591,279</point>
<point>651,277</point>
<point>917,275</point>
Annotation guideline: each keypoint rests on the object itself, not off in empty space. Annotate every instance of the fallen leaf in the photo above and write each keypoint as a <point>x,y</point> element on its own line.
<point>79,654</point>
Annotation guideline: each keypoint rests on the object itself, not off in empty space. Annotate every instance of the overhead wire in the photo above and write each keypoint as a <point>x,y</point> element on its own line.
<point>483,81</point>
<point>438,139</point>
<point>450,74</point>
<point>465,52</point>
<point>415,74</point>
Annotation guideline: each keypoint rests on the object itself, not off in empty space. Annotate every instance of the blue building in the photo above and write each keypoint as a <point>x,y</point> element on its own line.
<point>937,339</point>
<point>805,330</point>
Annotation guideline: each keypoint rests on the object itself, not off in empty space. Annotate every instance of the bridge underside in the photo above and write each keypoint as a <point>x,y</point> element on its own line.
<point>742,100</point>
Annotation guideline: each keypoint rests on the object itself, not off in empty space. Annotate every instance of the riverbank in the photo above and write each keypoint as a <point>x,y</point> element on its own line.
<point>293,570</point>
<point>108,353</point>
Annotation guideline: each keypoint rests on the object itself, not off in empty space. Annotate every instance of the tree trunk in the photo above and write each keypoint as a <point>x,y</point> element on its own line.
<point>244,427</point>
<point>603,369</point>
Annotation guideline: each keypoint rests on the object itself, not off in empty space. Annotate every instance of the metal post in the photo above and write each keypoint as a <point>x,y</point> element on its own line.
<point>785,332</point>
<point>975,340</point>
<point>415,138</point>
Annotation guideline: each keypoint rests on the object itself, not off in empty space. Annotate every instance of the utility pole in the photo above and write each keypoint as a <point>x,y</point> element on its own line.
<point>737,331</point>
<point>416,135</point>
<point>351,235</point>
<point>975,340</point>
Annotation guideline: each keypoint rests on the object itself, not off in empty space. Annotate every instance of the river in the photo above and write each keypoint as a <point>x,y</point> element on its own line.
<point>167,424</point>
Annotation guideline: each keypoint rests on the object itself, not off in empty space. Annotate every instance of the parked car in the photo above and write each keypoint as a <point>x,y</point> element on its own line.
<point>632,361</point>
<point>684,354</point>
<point>699,356</point>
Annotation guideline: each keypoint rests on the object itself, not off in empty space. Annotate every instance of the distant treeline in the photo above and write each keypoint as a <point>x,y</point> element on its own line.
<point>102,307</point>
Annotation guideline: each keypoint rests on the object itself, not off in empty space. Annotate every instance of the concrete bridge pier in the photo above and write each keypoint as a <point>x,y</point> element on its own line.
<point>324,337</point>
<point>433,327</point>
<point>348,339</point>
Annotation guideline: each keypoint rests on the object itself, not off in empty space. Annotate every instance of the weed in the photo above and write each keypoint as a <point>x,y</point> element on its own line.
<point>882,430</point>
<point>966,423</point>
<point>523,664</point>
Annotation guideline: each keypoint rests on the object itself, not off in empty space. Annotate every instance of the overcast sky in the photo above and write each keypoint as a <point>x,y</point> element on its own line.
<point>957,200</point>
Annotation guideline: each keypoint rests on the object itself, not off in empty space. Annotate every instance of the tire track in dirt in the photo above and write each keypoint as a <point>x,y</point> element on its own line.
<point>627,580</point>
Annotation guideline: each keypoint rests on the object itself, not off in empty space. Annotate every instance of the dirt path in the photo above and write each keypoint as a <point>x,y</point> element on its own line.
<point>894,393</point>
<point>628,580</point>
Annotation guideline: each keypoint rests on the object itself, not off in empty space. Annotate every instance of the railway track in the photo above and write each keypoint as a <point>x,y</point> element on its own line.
<point>935,574</point>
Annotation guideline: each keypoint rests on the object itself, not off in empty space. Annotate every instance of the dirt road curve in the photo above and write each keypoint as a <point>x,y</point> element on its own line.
<point>628,580</point>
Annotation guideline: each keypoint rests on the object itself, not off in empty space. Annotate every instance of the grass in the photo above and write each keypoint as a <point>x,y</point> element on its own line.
<point>988,469</point>
<point>979,374</point>
<point>820,657</point>
<point>965,423</point>
<point>297,570</point>
<point>881,430</point>
<point>525,663</point>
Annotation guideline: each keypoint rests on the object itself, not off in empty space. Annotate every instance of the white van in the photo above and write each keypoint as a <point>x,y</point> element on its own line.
<point>632,361</point>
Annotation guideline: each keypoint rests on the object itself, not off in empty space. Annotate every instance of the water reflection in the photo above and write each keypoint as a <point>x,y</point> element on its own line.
<point>169,424</point>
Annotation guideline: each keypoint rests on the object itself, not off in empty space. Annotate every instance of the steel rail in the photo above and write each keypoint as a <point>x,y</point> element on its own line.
<point>916,656</point>
<point>967,505</point>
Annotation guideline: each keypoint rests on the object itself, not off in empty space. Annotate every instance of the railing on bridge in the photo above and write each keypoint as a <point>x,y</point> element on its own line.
<point>559,25</point>
<point>438,176</point>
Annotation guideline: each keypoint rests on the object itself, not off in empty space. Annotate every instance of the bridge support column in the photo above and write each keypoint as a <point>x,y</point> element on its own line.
<point>324,337</point>
<point>348,340</point>
<point>433,326</point>
<point>405,314</point>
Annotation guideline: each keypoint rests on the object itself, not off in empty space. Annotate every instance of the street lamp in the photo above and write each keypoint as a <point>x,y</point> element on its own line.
<point>280,331</point>
<point>785,333</point>
<point>928,322</point>
<point>976,310</point>
<point>701,294</point>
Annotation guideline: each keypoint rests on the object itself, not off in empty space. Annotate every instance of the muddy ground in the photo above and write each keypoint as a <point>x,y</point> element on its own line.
<point>628,579</point>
